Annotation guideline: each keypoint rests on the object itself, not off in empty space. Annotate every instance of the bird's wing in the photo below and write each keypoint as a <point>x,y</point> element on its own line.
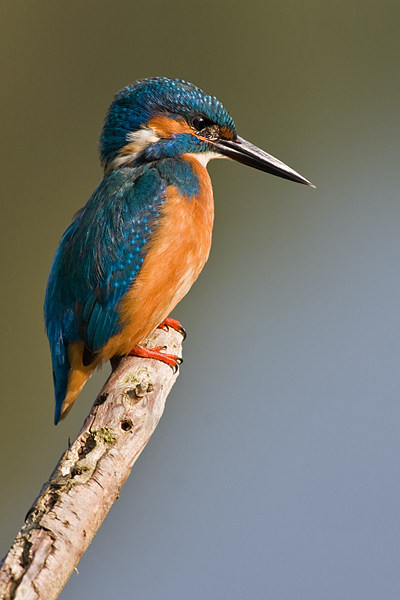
<point>100,256</point>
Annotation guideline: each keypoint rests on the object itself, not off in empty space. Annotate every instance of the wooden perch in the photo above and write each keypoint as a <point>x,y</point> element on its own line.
<point>87,480</point>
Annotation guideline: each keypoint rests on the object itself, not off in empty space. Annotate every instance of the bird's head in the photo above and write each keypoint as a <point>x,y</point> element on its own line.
<point>161,118</point>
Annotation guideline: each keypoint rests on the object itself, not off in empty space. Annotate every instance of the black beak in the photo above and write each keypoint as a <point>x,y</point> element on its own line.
<point>250,155</point>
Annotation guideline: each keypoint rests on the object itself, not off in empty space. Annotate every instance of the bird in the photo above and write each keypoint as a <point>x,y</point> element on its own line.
<point>135,249</point>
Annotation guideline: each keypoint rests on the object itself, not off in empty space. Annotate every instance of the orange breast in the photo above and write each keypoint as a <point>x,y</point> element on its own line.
<point>176,255</point>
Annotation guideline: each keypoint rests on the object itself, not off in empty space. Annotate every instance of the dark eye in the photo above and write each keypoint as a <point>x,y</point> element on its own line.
<point>199,122</point>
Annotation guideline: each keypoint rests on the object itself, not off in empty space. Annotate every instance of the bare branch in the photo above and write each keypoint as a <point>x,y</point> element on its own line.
<point>87,480</point>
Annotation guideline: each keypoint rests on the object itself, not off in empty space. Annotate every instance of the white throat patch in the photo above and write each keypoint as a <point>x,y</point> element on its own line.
<point>204,157</point>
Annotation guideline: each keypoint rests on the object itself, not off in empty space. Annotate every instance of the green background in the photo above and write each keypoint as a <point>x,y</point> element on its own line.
<point>274,471</point>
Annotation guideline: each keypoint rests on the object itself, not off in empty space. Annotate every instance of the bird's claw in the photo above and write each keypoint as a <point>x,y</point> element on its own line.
<point>169,359</point>
<point>168,324</point>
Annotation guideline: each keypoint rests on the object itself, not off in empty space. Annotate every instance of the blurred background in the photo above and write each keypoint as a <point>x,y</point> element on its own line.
<point>274,472</point>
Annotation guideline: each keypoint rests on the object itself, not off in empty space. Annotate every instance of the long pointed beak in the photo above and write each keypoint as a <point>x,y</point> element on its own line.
<point>250,155</point>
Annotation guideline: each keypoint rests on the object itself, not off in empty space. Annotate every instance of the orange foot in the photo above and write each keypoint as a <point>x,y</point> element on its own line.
<point>169,359</point>
<point>173,324</point>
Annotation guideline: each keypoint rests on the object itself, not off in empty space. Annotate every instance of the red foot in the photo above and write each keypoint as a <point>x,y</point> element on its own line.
<point>169,359</point>
<point>173,324</point>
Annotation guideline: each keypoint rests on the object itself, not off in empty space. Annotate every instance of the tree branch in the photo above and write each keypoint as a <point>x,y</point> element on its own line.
<point>87,480</point>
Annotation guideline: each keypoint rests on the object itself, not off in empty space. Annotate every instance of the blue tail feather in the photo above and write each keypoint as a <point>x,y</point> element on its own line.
<point>60,376</point>
<point>61,368</point>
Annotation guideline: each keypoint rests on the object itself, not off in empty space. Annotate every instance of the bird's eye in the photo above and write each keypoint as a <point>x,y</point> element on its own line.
<point>199,122</point>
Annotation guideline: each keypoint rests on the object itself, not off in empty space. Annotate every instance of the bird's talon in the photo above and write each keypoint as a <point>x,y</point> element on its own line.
<point>179,361</point>
<point>168,324</point>
<point>169,359</point>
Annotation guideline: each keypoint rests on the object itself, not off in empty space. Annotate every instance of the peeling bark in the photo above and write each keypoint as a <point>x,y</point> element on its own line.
<point>87,480</point>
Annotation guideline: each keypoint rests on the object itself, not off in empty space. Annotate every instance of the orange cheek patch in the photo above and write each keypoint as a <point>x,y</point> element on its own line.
<point>166,126</point>
<point>226,133</point>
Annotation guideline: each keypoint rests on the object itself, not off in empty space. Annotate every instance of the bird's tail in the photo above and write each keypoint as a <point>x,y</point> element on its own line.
<point>70,375</point>
<point>61,368</point>
<point>77,377</point>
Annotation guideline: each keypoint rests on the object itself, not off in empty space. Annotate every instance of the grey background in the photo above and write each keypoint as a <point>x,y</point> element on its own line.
<point>274,472</point>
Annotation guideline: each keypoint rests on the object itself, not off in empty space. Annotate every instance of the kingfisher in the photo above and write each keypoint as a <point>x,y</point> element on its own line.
<point>133,252</point>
